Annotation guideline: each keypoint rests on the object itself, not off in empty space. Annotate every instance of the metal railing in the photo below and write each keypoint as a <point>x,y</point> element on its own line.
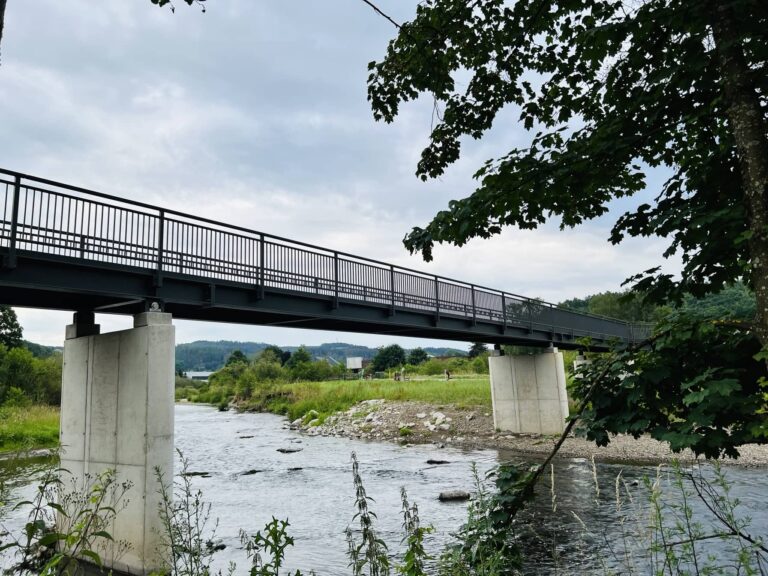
<point>51,218</point>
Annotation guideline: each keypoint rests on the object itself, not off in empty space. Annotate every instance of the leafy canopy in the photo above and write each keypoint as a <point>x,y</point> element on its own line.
<point>417,356</point>
<point>699,384</point>
<point>388,357</point>
<point>10,329</point>
<point>237,357</point>
<point>607,88</point>
<point>477,349</point>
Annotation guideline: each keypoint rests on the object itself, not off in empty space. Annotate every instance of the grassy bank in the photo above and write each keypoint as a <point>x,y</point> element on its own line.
<point>296,399</point>
<point>28,427</point>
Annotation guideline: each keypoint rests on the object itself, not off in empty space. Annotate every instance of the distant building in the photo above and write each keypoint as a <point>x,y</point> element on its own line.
<point>199,376</point>
<point>355,363</point>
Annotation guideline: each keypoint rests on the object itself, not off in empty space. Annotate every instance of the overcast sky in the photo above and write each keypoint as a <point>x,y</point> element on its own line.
<point>255,113</point>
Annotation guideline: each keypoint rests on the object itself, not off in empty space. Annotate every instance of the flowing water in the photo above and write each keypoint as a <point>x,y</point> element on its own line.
<point>312,488</point>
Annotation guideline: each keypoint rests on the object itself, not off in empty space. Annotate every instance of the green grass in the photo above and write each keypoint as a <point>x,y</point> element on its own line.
<point>297,399</point>
<point>28,428</point>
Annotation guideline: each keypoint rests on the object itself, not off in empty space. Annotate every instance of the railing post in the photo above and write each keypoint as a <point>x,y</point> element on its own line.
<point>82,246</point>
<point>552,320</point>
<point>160,248</point>
<point>474,308</point>
<point>437,300</point>
<point>262,256</point>
<point>11,262</point>
<point>503,313</point>
<point>391,290</point>
<point>335,280</point>
<point>530,315</point>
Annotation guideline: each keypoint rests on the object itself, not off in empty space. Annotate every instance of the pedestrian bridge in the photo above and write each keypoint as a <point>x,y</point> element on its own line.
<point>65,247</point>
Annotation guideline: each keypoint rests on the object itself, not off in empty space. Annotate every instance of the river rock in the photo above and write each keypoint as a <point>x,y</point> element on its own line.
<point>216,546</point>
<point>438,418</point>
<point>289,450</point>
<point>445,426</point>
<point>434,461</point>
<point>251,472</point>
<point>200,474</point>
<point>296,423</point>
<point>453,496</point>
<point>421,415</point>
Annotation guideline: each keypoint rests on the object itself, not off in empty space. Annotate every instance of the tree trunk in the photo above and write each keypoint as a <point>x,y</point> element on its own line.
<point>2,22</point>
<point>750,131</point>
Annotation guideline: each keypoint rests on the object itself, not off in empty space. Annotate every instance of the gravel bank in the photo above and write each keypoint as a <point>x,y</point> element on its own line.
<point>419,423</point>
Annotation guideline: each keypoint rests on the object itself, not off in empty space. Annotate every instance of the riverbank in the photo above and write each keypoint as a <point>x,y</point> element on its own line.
<point>324,399</point>
<point>28,428</point>
<point>471,427</point>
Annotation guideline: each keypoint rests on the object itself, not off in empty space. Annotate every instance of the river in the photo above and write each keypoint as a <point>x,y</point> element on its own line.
<point>313,489</point>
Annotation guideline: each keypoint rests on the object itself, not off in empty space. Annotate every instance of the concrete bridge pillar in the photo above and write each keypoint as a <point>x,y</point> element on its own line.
<point>117,413</point>
<point>528,393</point>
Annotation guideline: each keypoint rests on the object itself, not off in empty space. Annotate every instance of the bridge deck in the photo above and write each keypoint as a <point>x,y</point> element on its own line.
<point>65,247</point>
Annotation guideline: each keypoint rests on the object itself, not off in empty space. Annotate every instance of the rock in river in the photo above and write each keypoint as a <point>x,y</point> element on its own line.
<point>289,450</point>
<point>453,496</point>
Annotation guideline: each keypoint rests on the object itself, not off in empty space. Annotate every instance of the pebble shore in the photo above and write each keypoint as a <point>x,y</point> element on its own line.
<point>472,428</point>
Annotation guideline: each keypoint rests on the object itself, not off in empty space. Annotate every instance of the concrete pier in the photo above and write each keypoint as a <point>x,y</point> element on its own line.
<point>117,413</point>
<point>528,393</point>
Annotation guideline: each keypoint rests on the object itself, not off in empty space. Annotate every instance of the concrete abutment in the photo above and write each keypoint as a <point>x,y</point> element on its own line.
<point>528,393</point>
<point>117,414</point>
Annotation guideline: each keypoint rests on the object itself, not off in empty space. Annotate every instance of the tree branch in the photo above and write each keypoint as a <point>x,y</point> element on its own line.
<point>375,9</point>
<point>2,18</point>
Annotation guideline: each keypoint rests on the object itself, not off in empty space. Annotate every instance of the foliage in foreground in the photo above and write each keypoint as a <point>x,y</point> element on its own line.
<point>698,383</point>
<point>67,524</point>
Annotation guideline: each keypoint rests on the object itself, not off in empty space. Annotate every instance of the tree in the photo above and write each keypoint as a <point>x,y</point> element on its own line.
<point>628,305</point>
<point>2,18</point>
<point>417,356</point>
<point>609,88</point>
<point>301,356</point>
<point>477,349</point>
<point>388,357</point>
<point>10,329</point>
<point>278,353</point>
<point>237,357</point>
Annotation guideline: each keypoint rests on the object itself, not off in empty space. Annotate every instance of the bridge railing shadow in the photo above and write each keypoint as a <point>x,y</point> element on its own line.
<point>54,220</point>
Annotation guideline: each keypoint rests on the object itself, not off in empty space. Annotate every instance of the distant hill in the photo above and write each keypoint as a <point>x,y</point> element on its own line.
<point>205,355</point>
<point>40,351</point>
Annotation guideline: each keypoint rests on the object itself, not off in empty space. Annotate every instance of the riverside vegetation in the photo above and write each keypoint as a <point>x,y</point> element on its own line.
<point>30,390</point>
<point>299,385</point>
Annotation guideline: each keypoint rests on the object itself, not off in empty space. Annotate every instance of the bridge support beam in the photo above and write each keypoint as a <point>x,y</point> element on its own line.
<point>528,393</point>
<point>117,413</point>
